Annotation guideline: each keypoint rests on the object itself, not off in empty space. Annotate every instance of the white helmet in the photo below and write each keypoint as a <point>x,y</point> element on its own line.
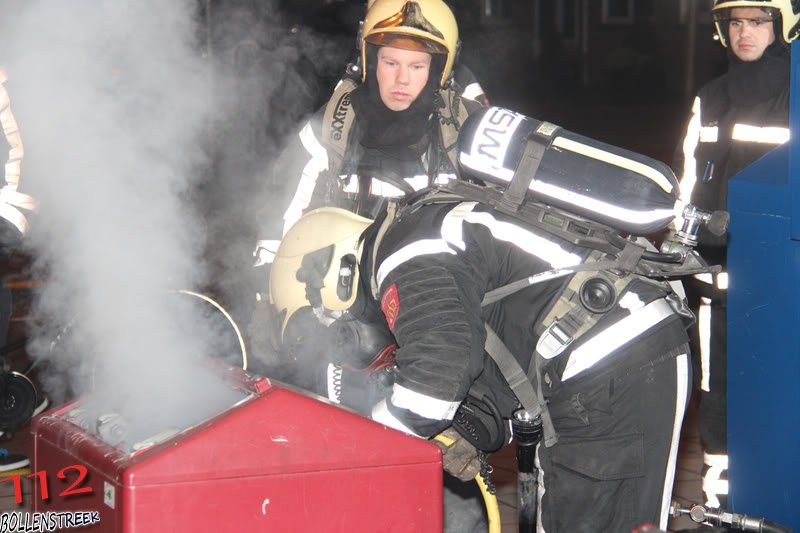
<point>317,262</point>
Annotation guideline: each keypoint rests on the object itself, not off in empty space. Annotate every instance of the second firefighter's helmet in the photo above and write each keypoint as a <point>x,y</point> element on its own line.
<point>317,262</point>
<point>784,13</point>
<point>422,25</point>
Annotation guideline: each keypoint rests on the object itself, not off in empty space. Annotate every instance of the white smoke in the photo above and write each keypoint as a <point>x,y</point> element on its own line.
<point>117,102</point>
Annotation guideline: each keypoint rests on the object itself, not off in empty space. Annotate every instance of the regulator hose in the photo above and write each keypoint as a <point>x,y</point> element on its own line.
<point>489,499</point>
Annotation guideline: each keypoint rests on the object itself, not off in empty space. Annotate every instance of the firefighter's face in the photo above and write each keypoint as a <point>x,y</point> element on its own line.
<point>402,74</point>
<point>751,32</point>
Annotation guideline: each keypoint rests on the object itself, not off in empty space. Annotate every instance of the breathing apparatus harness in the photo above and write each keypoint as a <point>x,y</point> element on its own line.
<point>614,261</point>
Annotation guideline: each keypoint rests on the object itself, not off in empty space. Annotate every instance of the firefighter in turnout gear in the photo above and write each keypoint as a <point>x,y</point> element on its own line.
<point>735,119</point>
<point>389,128</point>
<point>605,348</point>
<point>387,132</point>
<point>13,204</point>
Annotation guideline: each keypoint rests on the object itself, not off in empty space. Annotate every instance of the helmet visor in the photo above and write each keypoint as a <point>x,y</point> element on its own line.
<point>406,42</point>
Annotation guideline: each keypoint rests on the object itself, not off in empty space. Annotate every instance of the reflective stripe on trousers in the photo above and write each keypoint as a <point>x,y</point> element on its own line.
<point>713,485</point>
<point>704,326</point>
<point>654,507</point>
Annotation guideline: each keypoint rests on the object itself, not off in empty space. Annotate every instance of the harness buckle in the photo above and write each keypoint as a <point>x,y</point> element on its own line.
<point>553,341</point>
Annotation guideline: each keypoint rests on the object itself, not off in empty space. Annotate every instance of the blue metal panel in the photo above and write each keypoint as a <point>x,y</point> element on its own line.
<point>763,340</point>
<point>794,154</point>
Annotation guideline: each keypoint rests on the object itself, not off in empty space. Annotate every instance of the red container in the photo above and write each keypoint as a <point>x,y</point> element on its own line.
<point>278,461</point>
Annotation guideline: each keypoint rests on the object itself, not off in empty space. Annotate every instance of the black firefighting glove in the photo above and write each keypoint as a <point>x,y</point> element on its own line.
<point>459,457</point>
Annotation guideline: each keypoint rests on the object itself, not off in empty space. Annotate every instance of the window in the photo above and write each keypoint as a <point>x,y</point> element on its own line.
<point>617,11</point>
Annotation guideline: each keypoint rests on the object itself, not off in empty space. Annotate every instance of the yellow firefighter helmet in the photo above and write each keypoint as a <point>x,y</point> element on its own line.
<point>421,25</point>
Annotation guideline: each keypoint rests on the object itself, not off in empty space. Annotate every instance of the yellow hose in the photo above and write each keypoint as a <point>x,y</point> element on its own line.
<point>492,509</point>
<point>489,499</point>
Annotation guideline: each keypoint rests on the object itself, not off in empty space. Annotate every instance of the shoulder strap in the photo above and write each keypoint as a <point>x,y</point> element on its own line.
<point>529,393</point>
<point>337,122</point>
<point>517,190</point>
<point>391,214</point>
<point>451,116</point>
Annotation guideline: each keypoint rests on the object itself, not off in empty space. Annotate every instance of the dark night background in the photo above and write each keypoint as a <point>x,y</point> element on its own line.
<point>620,71</point>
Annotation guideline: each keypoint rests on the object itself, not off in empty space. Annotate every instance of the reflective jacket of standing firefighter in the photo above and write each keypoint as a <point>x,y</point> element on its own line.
<point>358,150</point>
<point>12,202</point>
<point>736,119</point>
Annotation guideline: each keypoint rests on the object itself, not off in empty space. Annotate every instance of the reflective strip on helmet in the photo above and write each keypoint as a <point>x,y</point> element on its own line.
<point>689,146</point>
<point>422,404</point>
<point>473,91</point>
<point>615,336</point>
<point>308,181</point>
<point>381,413</point>
<point>760,134</point>
<point>681,392</point>
<point>614,159</point>
<point>709,134</point>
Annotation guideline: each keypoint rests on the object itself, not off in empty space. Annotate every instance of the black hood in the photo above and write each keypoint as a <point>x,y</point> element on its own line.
<point>750,82</point>
<point>400,134</point>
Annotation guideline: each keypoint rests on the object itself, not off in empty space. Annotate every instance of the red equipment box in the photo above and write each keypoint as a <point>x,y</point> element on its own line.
<point>277,461</point>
